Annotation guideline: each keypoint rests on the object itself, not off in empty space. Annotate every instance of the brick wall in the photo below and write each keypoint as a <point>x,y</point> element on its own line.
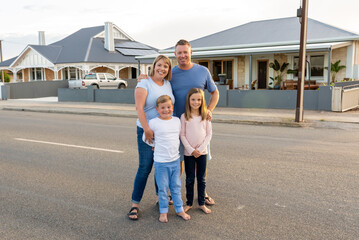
<point>123,73</point>
<point>241,72</point>
<point>50,75</point>
<point>340,54</point>
<point>281,58</point>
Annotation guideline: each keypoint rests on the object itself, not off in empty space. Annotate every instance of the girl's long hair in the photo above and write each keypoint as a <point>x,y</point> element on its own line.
<point>202,108</point>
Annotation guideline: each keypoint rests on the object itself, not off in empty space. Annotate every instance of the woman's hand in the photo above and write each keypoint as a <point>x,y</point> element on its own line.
<point>149,135</point>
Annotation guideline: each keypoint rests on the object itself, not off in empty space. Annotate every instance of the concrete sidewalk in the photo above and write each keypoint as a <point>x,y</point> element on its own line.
<point>271,117</point>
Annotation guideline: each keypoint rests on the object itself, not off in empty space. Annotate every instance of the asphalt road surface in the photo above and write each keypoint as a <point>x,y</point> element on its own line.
<point>71,176</point>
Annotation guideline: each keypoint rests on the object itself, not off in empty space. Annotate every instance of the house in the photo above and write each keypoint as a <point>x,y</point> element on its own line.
<point>95,49</point>
<point>243,53</point>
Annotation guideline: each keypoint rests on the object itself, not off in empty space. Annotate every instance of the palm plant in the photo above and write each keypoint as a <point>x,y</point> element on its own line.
<point>279,70</point>
<point>335,68</point>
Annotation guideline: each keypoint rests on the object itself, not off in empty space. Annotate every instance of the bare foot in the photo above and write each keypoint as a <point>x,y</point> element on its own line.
<point>163,218</point>
<point>205,209</point>
<point>187,208</point>
<point>184,215</point>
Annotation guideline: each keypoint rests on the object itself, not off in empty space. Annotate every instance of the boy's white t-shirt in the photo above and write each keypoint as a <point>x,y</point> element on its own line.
<point>166,142</point>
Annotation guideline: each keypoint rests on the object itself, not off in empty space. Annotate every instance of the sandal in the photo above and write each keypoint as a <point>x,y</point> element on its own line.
<point>131,213</point>
<point>209,201</point>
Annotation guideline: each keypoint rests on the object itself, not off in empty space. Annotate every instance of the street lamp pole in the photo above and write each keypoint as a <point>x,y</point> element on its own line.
<point>302,57</point>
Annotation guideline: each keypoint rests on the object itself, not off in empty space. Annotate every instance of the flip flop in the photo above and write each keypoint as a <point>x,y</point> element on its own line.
<point>133,213</point>
<point>209,201</point>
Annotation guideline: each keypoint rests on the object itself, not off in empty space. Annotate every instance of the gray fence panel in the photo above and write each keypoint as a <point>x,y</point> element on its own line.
<point>72,95</point>
<point>325,98</point>
<point>115,95</point>
<point>3,92</point>
<point>35,89</point>
<point>281,99</point>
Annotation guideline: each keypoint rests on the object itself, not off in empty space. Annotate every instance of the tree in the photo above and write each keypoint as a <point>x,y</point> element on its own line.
<point>335,68</point>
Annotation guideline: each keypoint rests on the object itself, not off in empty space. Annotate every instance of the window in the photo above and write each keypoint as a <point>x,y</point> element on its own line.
<point>205,64</point>
<point>225,66</point>
<point>73,73</point>
<point>110,76</point>
<point>316,65</point>
<point>36,74</point>
<point>101,76</point>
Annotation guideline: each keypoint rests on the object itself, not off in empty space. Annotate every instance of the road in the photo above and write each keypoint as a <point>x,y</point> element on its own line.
<point>70,177</point>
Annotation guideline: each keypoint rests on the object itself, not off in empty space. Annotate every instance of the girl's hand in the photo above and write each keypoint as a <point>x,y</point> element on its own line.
<point>196,153</point>
<point>209,115</point>
<point>149,136</point>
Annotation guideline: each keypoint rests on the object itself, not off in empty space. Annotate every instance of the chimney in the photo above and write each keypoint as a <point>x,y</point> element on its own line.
<point>109,38</point>
<point>42,38</point>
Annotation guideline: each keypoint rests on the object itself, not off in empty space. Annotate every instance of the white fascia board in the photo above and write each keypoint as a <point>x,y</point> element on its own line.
<point>272,44</point>
<point>255,50</point>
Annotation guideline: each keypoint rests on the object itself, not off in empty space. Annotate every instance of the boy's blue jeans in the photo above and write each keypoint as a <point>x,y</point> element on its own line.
<point>168,177</point>
<point>145,155</point>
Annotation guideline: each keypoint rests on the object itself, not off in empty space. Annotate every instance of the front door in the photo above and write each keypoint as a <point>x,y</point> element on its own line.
<point>262,74</point>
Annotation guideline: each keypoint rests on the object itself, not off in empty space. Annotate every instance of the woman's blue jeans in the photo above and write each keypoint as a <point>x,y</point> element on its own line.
<point>145,154</point>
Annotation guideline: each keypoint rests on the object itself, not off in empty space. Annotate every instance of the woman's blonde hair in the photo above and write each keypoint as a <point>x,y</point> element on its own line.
<point>202,108</point>
<point>167,61</point>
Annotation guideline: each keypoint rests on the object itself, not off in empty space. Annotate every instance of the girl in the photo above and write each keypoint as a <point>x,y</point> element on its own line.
<point>196,132</point>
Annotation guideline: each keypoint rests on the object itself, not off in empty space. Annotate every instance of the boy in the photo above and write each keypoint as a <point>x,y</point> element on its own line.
<point>166,130</point>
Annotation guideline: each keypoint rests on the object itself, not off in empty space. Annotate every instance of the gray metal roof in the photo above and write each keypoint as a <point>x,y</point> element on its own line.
<point>270,31</point>
<point>49,52</point>
<point>7,63</point>
<point>81,46</point>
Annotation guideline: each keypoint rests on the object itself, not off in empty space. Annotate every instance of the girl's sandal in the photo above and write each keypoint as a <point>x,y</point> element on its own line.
<point>209,201</point>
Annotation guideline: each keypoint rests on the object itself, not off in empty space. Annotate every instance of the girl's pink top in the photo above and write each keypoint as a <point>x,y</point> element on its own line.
<point>195,134</point>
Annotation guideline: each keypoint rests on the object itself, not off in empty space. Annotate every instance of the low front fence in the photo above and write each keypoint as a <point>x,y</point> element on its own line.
<point>282,99</point>
<point>345,98</point>
<point>36,89</point>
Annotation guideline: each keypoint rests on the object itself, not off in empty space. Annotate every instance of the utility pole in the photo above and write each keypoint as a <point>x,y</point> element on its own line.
<point>2,71</point>
<point>302,57</point>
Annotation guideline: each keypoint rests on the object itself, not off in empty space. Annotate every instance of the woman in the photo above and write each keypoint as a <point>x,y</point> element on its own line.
<point>146,94</point>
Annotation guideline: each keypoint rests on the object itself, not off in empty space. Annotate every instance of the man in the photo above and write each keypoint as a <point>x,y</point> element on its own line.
<point>187,75</point>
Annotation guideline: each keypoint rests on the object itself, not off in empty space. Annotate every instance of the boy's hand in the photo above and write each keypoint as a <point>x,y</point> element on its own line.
<point>142,76</point>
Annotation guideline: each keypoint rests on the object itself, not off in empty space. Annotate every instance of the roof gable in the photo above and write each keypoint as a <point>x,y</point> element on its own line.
<point>31,58</point>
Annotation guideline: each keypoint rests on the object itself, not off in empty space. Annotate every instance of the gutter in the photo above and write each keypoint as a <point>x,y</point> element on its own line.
<point>274,44</point>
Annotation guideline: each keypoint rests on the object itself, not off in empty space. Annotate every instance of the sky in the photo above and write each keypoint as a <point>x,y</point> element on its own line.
<point>157,23</point>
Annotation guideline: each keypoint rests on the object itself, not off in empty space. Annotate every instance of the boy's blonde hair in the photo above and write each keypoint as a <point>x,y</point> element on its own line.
<point>167,61</point>
<point>163,99</point>
<point>202,108</point>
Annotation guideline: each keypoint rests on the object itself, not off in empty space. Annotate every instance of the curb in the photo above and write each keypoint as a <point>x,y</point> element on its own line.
<point>127,115</point>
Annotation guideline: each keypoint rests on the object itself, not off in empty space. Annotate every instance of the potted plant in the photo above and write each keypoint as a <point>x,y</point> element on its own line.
<point>278,73</point>
<point>335,68</point>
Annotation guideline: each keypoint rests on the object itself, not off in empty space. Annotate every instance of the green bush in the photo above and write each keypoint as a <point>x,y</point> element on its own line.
<point>6,77</point>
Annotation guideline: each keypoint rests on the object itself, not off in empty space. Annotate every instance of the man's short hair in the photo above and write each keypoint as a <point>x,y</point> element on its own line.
<point>163,99</point>
<point>182,42</point>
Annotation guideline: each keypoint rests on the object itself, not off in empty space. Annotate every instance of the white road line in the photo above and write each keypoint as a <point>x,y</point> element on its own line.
<point>69,145</point>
